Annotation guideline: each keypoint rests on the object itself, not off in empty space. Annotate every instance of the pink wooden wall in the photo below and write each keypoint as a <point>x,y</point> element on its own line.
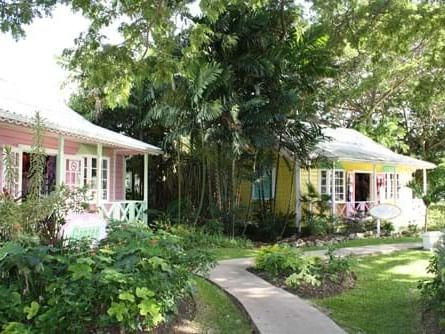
<point>16,135</point>
<point>119,192</point>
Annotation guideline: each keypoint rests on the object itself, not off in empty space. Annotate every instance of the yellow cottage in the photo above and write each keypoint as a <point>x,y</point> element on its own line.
<point>359,174</point>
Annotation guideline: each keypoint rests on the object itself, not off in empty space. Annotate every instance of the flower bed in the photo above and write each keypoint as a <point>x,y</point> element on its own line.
<point>309,277</point>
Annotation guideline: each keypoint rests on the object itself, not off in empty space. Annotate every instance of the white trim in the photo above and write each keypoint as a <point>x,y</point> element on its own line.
<point>329,182</point>
<point>124,177</point>
<point>114,174</point>
<point>14,149</point>
<point>99,167</point>
<point>28,149</point>
<point>60,161</point>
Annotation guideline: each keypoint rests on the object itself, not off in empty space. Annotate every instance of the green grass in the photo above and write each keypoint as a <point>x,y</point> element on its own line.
<point>369,242</point>
<point>386,299</point>
<point>216,312</point>
<point>232,253</point>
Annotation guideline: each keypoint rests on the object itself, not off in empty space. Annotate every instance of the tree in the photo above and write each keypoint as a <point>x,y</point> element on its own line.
<point>15,14</point>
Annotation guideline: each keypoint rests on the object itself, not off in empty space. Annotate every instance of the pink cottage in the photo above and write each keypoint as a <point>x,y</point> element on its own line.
<point>78,153</point>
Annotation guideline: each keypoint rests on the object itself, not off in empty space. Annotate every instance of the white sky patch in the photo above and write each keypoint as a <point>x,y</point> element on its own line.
<point>32,61</point>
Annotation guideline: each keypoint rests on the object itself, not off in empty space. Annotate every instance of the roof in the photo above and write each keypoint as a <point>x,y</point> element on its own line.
<point>343,144</point>
<point>18,105</point>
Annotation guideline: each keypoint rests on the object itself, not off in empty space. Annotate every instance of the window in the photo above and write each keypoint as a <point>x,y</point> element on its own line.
<point>339,183</point>
<point>392,185</point>
<point>90,173</point>
<point>12,178</point>
<point>264,185</point>
<point>73,170</point>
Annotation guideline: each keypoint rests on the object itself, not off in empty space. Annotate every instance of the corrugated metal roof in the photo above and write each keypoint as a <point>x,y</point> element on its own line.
<point>18,105</point>
<point>350,145</point>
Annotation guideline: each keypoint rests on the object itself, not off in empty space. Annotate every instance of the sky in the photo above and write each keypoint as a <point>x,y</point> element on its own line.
<point>32,63</point>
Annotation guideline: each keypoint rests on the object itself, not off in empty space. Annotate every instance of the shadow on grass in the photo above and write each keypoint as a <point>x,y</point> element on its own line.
<point>386,299</point>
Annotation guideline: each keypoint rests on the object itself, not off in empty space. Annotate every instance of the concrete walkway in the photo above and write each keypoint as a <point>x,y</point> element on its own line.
<point>368,250</point>
<point>273,310</point>
<point>276,311</point>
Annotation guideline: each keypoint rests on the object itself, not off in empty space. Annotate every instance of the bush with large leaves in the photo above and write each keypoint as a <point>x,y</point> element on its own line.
<point>131,282</point>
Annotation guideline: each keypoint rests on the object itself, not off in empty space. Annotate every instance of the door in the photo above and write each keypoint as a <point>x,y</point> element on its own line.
<point>362,187</point>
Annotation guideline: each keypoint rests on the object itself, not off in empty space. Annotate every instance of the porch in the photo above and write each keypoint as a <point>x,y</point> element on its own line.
<point>124,210</point>
<point>355,209</point>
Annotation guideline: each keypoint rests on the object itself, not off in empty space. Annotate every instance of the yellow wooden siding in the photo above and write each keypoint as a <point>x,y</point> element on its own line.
<point>285,179</point>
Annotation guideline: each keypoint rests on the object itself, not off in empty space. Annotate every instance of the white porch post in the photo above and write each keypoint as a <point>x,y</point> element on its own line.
<point>425,182</point>
<point>99,175</point>
<point>146,186</point>
<point>113,195</point>
<point>297,196</point>
<point>374,194</point>
<point>394,187</point>
<point>374,184</point>
<point>60,163</point>
<point>333,189</point>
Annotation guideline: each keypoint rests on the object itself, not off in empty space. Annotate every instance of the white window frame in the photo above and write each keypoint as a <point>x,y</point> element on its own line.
<point>266,196</point>
<point>89,177</point>
<point>329,173</point>
<point>19,151</point>
<point>73,157</point>
<point>392,186</point>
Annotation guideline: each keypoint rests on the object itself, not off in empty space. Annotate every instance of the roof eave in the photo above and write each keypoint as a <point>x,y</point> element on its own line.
<point>16,119</point>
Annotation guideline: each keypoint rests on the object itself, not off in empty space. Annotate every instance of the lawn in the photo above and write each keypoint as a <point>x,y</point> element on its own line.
<point>232,253</point>
<point>369,242</point>
<point>386,299</point>
<point>215,313</point>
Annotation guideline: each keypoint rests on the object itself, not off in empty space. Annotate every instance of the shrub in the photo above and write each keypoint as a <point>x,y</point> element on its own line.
<point>279,260</point>
<point>387,228</point>
<point>213,226</point>
<point>319,225</point>
<point>336,265</point>
<point>197,238</point>
<point>310,273</point>
<point>433,290</point>
<point>41,217</point>
<point>266,228</point>
<point>285,262</point>
<point>130,283</point>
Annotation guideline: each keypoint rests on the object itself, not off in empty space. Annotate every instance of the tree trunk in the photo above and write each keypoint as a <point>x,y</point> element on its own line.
<point>233,196</point>
<point>203,185</point>
<point>277,168</point>
<point>289,199</point>
<point>249,204</point>
<point>179,183</point>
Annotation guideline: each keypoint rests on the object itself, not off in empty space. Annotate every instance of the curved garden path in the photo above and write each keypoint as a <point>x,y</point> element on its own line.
<point>274,310</point>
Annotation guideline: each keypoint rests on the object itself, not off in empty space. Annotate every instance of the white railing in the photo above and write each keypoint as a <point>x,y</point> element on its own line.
<point>356,208</point>
<point>124,210</point>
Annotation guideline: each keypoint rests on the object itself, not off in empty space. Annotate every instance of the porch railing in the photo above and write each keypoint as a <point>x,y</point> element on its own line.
<point>354,209</point>
<point>124,210</point>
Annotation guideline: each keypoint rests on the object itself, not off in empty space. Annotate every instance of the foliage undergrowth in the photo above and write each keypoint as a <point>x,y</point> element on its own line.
<point>199,238</point>
<point>433,290</point>
<point>130,283</point>
<point>291,265</point>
